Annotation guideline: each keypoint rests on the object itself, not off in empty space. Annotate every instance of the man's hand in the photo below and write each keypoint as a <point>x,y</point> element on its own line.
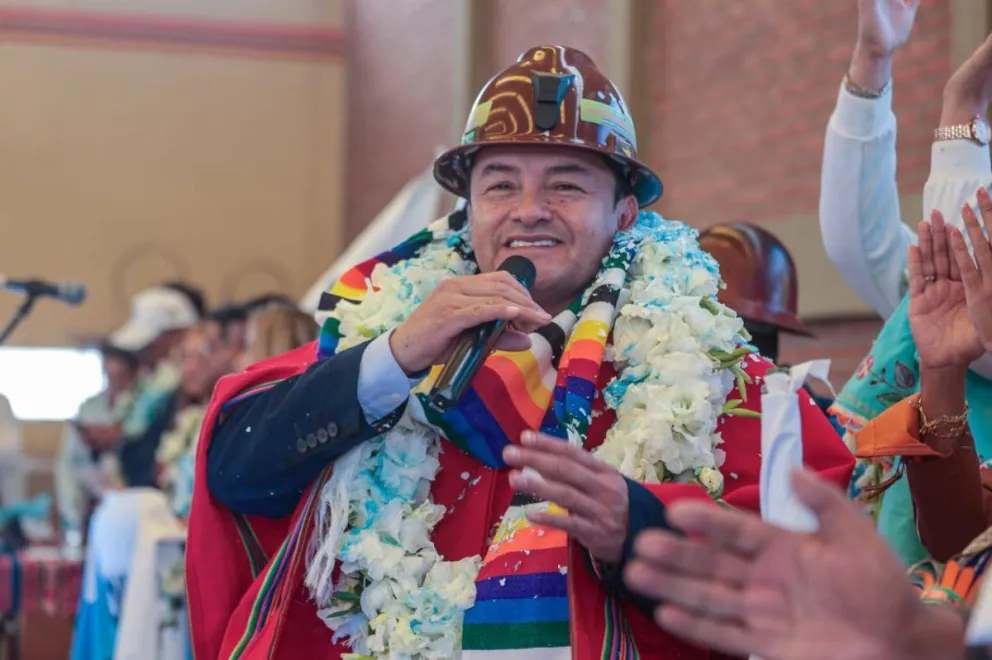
<point>938,314</point>
<point>461,303</point>
<point>883,27</point>
<point>969,89</point>
<point>977,279</point>
<point>739,585</point>
<point>593,493</point>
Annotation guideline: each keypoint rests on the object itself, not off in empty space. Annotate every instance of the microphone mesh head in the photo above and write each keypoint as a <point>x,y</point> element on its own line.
<point>522,269</point>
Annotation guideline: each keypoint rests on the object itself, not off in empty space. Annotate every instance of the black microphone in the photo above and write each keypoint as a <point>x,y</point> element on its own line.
<point>472,350</point>
<point>71,294</point>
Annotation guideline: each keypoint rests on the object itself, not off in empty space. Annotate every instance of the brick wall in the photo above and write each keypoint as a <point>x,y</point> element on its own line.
<point>845,342</point>
<point>400,101</point>
<point>741,93</point>
<point>520,24</point>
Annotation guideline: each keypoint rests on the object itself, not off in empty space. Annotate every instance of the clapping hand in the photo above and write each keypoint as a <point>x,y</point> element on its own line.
<point>739,585</point>
<point>593,493</point>
<point>976,275</point>
<point>938,313</point>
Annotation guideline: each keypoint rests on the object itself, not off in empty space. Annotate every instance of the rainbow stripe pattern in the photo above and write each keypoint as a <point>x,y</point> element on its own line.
<point>522,603</point>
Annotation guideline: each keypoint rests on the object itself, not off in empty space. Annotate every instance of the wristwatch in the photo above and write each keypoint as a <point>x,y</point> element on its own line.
<point>977,130</point>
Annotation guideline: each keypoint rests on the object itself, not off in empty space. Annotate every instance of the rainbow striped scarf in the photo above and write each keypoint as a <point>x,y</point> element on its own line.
<point>521,599</point>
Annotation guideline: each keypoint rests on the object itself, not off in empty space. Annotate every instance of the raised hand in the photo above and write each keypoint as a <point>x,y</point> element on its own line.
<point>456,305</point>
<point>968,91</point>
<point>938,314</point>
<point>976,275</point>
<point>884,25</point>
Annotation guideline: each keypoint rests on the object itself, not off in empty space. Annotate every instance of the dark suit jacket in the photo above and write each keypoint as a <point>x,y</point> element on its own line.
<point>268,450</point>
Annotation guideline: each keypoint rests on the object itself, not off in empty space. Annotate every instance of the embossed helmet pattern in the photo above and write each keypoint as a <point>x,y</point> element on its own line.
<point>552,95</point>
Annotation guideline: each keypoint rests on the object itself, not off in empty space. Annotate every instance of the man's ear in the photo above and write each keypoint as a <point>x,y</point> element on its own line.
<point>628,212</point>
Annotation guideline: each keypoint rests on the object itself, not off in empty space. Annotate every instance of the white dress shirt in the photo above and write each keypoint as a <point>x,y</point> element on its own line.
<point>860,219</point>
<point>382,383</point>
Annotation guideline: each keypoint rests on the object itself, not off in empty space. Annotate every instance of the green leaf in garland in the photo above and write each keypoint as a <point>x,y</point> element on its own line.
<point>744,412</point>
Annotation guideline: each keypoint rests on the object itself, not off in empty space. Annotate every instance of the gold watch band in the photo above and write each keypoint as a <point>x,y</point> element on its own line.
<point>959,132</point>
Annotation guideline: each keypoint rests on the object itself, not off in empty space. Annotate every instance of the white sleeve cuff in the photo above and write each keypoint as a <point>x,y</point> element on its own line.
<point>865,119</point>
<point>383,386</point>
<point>959,159</point>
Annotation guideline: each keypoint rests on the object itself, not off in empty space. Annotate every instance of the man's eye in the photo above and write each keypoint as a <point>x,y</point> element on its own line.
<point>567,187</point>
<point>502,185</point>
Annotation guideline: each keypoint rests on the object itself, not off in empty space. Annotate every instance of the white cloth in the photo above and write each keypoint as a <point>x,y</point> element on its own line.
<point>153,621</point>
<point>860,218</point>
<point>12,482</point>
<point>782,446</point>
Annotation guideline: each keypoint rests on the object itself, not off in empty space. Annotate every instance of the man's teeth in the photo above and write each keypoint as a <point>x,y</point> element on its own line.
<point>544,243</point>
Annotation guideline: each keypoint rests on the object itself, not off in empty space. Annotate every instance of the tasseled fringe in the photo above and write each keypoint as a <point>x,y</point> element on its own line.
<point>329,526</point>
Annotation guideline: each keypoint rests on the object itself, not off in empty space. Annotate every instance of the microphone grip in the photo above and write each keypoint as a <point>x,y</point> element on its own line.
<point>467,358</point>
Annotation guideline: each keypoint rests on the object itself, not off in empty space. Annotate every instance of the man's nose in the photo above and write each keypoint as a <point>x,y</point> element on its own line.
<point>532,208</point>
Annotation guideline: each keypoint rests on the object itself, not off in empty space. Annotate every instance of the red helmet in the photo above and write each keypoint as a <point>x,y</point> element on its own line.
<point>759,273</point>
<point>551,95</point>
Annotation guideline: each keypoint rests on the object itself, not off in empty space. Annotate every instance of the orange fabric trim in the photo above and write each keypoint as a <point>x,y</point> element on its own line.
<point>893,433</point>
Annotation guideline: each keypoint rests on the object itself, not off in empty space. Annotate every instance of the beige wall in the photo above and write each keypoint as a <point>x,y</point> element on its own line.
<point>143,141</point>
<point>201,140</point>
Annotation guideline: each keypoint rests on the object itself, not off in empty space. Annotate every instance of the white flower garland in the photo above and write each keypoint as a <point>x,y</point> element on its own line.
<point>674,346</point>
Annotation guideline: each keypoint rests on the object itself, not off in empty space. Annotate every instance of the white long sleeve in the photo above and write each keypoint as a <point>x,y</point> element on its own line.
<point>860,221</point>
<point>958,168</point>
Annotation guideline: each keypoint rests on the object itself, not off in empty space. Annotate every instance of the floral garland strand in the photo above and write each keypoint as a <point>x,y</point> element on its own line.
<point>674,345</point>
<point>395,597</point>
<point>677,351</point>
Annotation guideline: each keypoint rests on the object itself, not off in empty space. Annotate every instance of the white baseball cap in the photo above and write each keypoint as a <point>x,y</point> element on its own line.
<point>153,313</point>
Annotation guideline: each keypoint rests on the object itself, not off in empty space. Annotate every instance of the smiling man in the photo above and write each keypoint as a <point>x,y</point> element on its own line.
<point>338,514</point>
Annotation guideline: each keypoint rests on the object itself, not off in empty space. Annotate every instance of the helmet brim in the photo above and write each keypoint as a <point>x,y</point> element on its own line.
<point>452,170</point>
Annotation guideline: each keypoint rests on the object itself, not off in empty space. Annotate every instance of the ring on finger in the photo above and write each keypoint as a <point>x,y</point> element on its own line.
<point>929,278</point>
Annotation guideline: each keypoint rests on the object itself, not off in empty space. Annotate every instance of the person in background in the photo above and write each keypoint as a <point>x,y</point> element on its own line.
<point>159,320</point>
<point>863,234</point>
<point>762,287</point>
<point>199,374</point>
<point>277,330</point>
<point>81,473</point>
<point>226,329</point>
<point>269,332</point>
<point>950,315</point>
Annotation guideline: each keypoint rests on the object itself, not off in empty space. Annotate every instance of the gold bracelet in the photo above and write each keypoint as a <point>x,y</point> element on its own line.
<point>862,92</point>
<point>953,425</point>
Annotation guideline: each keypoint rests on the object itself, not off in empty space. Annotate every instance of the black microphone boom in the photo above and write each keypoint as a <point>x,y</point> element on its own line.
<point>472,350</point>
<point>71,294</point>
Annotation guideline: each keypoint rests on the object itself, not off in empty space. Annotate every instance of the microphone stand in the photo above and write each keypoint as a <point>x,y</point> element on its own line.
<point>21,314</point>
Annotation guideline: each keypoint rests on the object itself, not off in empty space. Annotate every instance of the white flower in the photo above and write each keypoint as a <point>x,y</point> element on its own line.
<point>667,395</point>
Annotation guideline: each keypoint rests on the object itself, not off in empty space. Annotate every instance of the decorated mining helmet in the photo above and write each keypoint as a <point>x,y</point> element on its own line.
<point>759,273</point>
<point>552,95</point>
